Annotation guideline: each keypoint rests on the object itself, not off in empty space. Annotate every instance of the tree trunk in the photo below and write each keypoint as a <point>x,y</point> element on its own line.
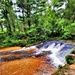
<point>28,14</point>
<point>23,20</point>
<point>5,13</point>
<point>9,28</point>
<point>14,28</point>
<point>13,25</point>
<point>1,26</point>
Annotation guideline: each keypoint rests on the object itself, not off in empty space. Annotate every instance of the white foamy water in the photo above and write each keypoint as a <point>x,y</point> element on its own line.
<point>55,60</point>
<point>55,49</point>
<point>45,49</point>
<point>26,48</point>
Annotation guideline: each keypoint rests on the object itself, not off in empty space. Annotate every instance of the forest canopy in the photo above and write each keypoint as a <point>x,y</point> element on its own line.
<point>30,21</point>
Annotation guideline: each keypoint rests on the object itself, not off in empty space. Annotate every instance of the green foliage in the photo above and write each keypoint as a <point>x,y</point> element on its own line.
<point>73,52</point>
<point>39,21</point>
<point>19,35</point>
<point>2,37</point>
<point>69,31</point>
<point>70,59</point>
<point>60,66</point>
<point>9,41</point>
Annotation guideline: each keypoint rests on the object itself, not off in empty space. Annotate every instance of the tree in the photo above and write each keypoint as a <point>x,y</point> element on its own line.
<point>30,9</point>
<point>65,13</point>
<point>9,15</point>
<point>69,12</point>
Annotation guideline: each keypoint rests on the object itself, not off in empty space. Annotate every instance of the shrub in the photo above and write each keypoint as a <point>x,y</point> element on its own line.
<point>69,31</point>
<point>13,42</point>
<point>70,59</point>
<point>60,66</point>
<point>2,37</point>
<point>19,35</point>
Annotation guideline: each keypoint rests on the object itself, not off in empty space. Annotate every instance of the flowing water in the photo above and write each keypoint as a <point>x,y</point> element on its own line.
<point>58,50</point>
<point>40,59</point>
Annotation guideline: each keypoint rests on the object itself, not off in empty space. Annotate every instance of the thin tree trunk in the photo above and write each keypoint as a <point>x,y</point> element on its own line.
<point>13,24</point>
<point>28,14</point>
<point>29,23</point>
<point>14,28</point>
<point>23,20</point>
<point>1,26</point>
<point>9,28</point>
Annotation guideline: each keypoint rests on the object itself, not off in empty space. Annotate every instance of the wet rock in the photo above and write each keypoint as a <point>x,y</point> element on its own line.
<point>43,53</point>
<point>20,54</point>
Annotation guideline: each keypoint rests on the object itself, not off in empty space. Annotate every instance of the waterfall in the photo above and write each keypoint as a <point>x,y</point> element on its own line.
<point>53,50</point>
<point>58,51</point>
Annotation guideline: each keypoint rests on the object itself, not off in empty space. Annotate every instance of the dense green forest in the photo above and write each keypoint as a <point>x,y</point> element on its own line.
<point>30,21</point>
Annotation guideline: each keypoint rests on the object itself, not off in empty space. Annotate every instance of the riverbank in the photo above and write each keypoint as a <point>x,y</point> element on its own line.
<point>66,70</point>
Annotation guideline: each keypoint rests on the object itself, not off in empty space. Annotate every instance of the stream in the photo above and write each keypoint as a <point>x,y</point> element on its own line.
<point>44,58</point>
<point>57,51</point>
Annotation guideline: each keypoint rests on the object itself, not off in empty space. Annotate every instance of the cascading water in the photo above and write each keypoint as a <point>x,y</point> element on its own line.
<point>55,51</point>
<point>58,51</point>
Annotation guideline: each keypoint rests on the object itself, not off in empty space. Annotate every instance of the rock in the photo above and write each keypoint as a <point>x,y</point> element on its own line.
<point>43,53</point>
<point>20,54</point>
<point>72,66</point>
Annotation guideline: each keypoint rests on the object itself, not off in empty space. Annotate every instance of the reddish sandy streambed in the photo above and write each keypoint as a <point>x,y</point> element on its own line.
<point>25,66</point>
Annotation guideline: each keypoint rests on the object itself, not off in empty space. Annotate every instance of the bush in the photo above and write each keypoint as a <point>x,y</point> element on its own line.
<point>69,31</point>
<point>19,35</point>
<point>70,59</point>
<point>60,66</point>
<point>2,37</point>
<point>13,42</point>
<point>73,52</point>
